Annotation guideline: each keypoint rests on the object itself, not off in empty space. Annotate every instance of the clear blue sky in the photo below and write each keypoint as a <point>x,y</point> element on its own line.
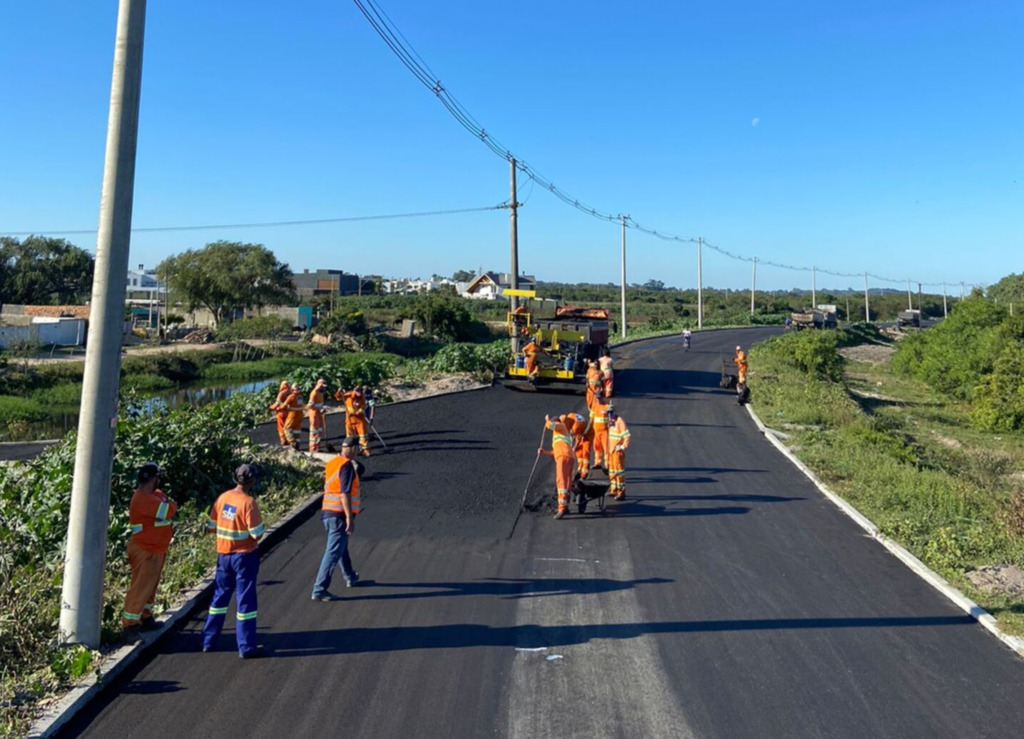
<point>870,135</point>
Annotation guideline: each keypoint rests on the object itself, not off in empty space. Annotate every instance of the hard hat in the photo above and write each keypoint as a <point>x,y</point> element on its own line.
<point>148,471</point>
<point>739,348</point>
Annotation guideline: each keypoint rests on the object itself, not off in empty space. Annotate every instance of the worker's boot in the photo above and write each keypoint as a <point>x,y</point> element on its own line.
<point>365,452</point>
<point>560,514</point>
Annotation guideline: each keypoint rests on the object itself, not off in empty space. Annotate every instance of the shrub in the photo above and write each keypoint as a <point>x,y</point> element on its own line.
<point>257,327</point>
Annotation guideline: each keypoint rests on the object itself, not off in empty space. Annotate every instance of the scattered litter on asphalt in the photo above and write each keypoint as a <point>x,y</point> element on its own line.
<point>531,649</point>
<point>553,657</point>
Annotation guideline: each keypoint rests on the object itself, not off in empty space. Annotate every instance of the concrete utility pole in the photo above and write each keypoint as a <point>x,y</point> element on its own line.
<point>910,304</point>
<point>867,306</point>
<point>700,284</point>
<point>814,289</point>
<point>82,591</point>
<point>753,286</point>
<point>961,291</point>
<point>514,275</point>
<point>945,311</point>
<point>920,306</point>
<point>623,276</point>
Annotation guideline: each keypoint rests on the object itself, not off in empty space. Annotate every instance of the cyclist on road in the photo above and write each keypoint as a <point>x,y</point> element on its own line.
<point>686,338</point>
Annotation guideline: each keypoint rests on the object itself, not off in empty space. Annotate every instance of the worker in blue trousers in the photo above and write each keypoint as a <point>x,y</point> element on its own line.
<point>235,519</point>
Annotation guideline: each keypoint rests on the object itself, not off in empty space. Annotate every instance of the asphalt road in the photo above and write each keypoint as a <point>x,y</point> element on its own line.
<point>724,598</point>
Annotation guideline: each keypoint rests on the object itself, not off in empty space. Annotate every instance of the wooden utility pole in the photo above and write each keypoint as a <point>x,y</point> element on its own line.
<point>867,305</point>
<point>814,289</point>
<point>514,238</point>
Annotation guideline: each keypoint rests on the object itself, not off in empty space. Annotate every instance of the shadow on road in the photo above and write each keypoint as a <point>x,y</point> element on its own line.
<point>454,636</point>
<point>646,382</point>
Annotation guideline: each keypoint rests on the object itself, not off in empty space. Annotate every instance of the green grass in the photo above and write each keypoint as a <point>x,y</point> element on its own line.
<point>907,459</point>
<point>259,370</point>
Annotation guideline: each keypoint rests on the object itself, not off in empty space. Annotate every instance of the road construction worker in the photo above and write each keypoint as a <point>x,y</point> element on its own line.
<point>339,511</point>
<point>583,439</point>
<point>618,441</point>
<point>741,365</point>
<point>371,403</point>
<point>355,417</point>
<point>293,420</point>
<point>317,420</point>
<point>561,450</point>
<point>607,374</point>
<point>595,388</point>
<point>530,352</point>
<point>149,515</point>
<point>278,406</point>
<point>599,422</point>
<point>236,521</point>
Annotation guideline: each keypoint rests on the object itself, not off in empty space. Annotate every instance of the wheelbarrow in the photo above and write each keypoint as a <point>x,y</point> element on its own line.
<point>585,491</point>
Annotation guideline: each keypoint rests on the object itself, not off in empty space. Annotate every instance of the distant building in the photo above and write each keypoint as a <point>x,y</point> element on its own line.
<point>325,282</point>
<point>143,287</point>
<point>492,285</point>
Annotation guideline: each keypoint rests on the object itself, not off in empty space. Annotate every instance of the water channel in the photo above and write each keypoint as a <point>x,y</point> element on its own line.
<point>195,395</point>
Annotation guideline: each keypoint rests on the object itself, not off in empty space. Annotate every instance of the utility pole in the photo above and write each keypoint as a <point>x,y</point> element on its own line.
<point>814,289</point>
<point>920,307</point>
<point>910,304</point>
<point>961,291</point>
<point>700,284</point>
<point>514,233</point>
<point>82,588</point>
<point>867,305</point>
<point>623,276</point>
<point>753,286</point>
<point>945,311</point>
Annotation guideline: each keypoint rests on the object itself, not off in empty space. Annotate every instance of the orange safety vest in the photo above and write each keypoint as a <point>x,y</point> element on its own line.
<point>316,400</point>
<point>561,440</point>
<point>236,519</point>
<point>332,487</point>
<point>355,403</point>
<point>618,434</point>
<point>149,515</point>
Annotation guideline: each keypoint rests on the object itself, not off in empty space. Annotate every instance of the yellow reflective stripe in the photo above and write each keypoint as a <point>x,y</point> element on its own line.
<point>161,512</point>
<point>136,528</point>
<point>158,524</point>
<point>245,616</point>
<point>130,616</point>
<point>231,534</point>
<point>258,531</point>
<point>211,524</point>
<point>218,611</point>
<point>561,438</point>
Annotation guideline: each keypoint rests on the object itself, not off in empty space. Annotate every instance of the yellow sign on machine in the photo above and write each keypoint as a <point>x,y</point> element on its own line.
<point>520,293</point>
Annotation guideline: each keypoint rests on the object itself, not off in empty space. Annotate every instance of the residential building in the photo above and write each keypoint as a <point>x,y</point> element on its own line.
<point>492,285</point>
<point>325,282</point>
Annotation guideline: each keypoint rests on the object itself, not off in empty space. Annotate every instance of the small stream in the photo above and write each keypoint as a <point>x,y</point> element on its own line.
<point>196,395</point>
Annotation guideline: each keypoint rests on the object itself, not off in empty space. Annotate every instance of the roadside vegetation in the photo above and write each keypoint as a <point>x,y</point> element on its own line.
<point>917,454</point>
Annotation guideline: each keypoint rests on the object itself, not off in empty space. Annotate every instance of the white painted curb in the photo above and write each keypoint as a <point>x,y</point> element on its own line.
<point>938,582</point>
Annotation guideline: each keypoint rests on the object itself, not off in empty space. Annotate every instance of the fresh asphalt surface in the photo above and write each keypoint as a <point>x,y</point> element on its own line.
<point>724,598</point>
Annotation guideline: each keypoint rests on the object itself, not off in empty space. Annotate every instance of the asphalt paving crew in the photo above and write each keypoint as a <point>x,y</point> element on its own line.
<point>595,387</point>
<point>355,417</point>
<point>293,420</point>
<point>599,421</point>
<point>561,450</point>
<point>341,505</point>
<point>583,439</point>
<point>741,365</point>
<point>236,521</point>
<point>149,515</point>
<point>607,373</point>
<point>618,439</point>
<point>279,407</point>
<point>317,420</point>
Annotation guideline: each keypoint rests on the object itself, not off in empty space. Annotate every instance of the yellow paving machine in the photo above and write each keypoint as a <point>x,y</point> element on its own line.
<point>562,344</point>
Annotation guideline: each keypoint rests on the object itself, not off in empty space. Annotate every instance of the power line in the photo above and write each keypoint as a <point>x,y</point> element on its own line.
<point>402,49</point>
<point>273,224</point>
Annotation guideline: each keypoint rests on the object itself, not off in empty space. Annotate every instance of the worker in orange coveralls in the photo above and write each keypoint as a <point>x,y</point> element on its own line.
<point>583,439</point>
<point>278,406</point>
<point>530,351</point>
<point>618,441</point>
<point>293,420</point>
<point>561,450</point>
<point>149,514</point>
<point>595,387</point>
<point>607,373</point>
<point>355,417</point>
<point>317,420</point>
<point>599,421</point>
<point>741,365</point>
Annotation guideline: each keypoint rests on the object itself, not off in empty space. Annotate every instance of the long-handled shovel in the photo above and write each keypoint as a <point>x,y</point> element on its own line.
<point>522,504</point>
<point>374,430</point>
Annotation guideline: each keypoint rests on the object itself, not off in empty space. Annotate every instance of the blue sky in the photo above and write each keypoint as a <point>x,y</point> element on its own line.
<point>852,136</point>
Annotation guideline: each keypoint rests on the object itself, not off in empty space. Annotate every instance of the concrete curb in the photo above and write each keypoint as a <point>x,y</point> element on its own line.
<point>62,711</point>
<point>938,582</point>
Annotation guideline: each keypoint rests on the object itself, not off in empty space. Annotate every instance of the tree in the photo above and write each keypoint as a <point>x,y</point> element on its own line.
<point>442,315</point>
<point>654,285</point>
<point>44,271</point>
<point>463,275</point>
<point>1010,289</point>
<point>227,275</point>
